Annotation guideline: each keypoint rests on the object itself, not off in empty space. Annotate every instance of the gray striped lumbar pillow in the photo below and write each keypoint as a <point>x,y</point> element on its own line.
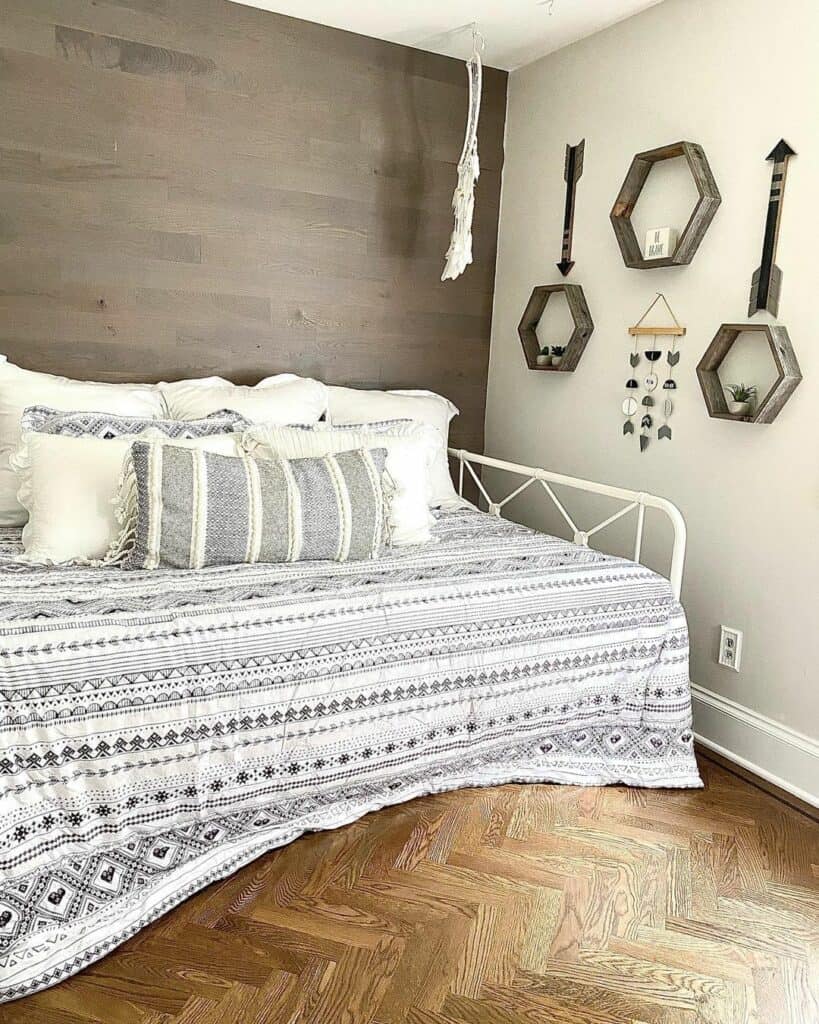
<point>186,509</point>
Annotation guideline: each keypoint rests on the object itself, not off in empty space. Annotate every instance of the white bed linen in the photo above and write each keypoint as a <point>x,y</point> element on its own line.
<point>161,729</point>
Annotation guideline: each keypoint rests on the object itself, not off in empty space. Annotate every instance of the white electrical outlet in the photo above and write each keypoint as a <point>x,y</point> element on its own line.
<point>730,647</point>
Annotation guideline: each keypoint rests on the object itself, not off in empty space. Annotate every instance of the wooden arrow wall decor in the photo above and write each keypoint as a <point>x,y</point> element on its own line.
<point>572,170</point>
<point>767,280</point>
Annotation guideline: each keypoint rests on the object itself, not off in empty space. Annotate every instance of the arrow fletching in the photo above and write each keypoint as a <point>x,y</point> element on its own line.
<point>771,300</point>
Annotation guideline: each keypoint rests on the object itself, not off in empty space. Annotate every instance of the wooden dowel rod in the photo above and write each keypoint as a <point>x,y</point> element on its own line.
<point>634,331</point>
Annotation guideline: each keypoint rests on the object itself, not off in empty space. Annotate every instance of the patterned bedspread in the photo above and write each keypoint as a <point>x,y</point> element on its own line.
<point>161,729</point>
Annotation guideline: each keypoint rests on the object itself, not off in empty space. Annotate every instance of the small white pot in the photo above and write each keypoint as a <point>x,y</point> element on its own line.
<point>557,360</point>
<point>542,360</point>
<point>739,408</point>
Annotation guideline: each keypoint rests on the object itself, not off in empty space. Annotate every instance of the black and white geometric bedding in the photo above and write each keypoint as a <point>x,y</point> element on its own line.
<point>161,729</point>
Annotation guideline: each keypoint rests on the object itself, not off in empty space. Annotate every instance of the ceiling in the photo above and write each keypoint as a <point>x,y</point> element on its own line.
<point>516,31</point>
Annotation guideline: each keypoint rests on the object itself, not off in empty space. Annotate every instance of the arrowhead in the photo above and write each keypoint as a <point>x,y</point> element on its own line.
<point>780,151</point>
<point>565,266</point>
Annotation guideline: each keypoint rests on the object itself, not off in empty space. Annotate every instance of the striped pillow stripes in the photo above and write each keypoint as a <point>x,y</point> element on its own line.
<point>186,509</point>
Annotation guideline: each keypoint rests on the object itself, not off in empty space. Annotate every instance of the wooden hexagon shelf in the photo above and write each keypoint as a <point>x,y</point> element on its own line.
<point>701,217</point>
<point>581,317</point>
<point>784,357</point>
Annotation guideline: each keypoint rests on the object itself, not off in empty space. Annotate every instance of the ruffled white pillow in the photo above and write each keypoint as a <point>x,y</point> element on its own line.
<point>357,406</point>
<point>411,450</point>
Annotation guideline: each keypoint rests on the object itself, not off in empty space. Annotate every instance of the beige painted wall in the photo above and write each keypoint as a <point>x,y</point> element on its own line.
<point>734,76</point>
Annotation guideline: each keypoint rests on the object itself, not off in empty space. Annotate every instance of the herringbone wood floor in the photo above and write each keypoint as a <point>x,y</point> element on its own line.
<point>512,905</point>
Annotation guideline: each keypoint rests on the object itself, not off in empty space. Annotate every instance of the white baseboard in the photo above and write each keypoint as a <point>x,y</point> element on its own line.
<point>777,753</point>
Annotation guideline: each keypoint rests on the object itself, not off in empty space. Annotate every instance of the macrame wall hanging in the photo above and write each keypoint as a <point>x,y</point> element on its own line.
<point>459,254</point>
<point>651,380</point>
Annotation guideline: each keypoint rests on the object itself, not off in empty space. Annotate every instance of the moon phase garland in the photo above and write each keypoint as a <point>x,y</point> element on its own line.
<point>651,381</point>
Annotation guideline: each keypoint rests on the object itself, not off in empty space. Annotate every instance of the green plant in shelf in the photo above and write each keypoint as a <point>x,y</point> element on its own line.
<point>741,397</point>
<point>558,350</point>
<point>741,392</point>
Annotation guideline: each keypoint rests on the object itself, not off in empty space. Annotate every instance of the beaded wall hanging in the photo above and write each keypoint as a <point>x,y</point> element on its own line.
<point>650,381</point>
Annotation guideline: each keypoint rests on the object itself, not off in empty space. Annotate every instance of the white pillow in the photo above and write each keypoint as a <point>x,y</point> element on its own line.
<point>69,485</point>
<point>352,405</point>
<point>21,388</point>
<point>282,399</point>
<point>411,449</point>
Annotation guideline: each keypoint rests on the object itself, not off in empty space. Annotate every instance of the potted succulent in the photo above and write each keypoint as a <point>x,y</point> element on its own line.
<point>557,354</point>
<point>543,357</point>
<point>741,397</point>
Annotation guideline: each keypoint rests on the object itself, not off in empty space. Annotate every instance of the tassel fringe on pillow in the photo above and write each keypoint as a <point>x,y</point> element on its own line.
<point>126,511</point>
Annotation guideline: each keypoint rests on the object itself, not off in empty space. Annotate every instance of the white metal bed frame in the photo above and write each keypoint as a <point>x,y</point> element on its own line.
<point>638,500</point>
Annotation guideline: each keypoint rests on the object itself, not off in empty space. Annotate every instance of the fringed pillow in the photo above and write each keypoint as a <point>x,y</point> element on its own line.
<point>187,509</point>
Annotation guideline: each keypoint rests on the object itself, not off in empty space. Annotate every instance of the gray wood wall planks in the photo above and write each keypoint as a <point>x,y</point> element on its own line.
<point>192,186</point>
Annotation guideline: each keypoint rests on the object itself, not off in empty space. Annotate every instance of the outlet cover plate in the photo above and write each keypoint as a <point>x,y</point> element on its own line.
<point>730,647</point>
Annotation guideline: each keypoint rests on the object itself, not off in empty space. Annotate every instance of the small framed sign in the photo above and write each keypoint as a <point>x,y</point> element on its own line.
<point>660,243</point>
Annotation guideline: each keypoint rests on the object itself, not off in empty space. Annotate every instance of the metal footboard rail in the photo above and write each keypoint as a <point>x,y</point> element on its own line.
<point>633,500</point>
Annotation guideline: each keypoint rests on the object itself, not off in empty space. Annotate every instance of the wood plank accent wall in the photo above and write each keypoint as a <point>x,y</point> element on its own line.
<point>193,186</point>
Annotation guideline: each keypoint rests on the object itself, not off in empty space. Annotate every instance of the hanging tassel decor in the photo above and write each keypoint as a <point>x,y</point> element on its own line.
<point>459,255</point>
<point>652,379</point>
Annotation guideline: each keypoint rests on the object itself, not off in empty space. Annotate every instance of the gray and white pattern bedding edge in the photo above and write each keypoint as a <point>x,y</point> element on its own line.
<point>161,729</point>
